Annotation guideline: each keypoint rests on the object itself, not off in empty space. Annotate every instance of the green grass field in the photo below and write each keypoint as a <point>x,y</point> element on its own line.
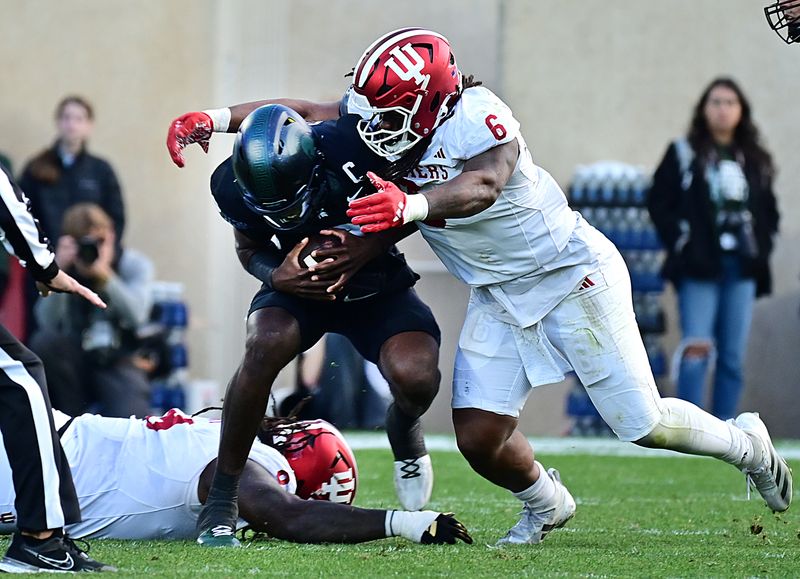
<point>637,517</point>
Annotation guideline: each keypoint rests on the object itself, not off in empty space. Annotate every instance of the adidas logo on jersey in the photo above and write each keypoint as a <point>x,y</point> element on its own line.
<point>586,283</point>
<point>439,154</point>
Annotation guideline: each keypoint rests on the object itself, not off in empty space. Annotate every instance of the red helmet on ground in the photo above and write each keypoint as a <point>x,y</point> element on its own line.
<point>323,462</point>
<point>406,82</point>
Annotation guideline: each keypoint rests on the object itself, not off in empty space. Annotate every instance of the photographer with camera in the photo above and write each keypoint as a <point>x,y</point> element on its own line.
<point>714,208</point>
<point>91,354</point>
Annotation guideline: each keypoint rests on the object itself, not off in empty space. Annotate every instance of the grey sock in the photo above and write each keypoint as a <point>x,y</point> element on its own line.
<point>405,434</point>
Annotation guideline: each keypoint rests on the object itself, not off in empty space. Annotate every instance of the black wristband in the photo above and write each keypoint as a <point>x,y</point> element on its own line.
<point>261,267</point>
<point>46,274</point>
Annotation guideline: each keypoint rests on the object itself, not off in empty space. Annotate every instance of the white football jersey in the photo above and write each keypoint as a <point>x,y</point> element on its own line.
<point>138,479</point>
<point>526,252</point>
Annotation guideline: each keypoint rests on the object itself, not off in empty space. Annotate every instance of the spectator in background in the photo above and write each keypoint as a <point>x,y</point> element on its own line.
<point>713,206</point>
<point>345,389</point>
<point>89,354</point>
<point>66,173</point>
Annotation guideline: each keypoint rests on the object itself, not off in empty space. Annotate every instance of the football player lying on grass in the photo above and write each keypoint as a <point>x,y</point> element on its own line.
<point>148,479</point>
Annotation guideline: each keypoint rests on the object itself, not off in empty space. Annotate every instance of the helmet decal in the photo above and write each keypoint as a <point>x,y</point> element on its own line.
<point>323,463</point>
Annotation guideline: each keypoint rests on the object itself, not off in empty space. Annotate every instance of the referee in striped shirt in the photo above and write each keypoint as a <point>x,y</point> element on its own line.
<point>45,494</point>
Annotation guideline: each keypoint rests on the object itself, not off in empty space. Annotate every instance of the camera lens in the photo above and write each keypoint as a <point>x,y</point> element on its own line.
<point>88,250</point>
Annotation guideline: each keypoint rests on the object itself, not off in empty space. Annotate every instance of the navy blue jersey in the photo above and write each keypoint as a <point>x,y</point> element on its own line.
<point>346,160</point>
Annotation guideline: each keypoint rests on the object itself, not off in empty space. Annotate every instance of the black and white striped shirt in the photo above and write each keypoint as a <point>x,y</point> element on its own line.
<point>20,232</point>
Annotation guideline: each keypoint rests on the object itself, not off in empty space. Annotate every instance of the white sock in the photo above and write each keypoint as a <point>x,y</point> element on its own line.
<point>686,428</point>
<point>408,524</point>
<point>541,495</point>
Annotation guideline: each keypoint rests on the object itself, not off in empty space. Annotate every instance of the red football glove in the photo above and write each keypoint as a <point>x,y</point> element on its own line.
<point>187,129</point>
<point>387,208</point>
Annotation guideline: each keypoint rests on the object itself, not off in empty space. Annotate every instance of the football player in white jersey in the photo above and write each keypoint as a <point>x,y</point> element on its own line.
<point>147,479</point>
<point>549,293</point>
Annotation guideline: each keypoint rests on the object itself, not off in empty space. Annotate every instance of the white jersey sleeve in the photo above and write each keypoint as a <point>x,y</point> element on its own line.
<point>525,252</point>
<point>483,122</point>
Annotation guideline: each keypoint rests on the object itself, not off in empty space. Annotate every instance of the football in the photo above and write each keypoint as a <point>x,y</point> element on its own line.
<point>316,241</point>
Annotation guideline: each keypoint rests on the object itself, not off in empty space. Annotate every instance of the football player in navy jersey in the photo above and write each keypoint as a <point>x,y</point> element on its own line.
<point>285,181</point>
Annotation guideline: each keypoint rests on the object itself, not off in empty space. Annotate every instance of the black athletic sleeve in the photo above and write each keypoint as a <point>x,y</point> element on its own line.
<point>21,233</point>
<point>262,264</point>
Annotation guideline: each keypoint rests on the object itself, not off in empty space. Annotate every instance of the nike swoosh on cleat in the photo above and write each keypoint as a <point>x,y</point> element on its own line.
<point>66,563</point>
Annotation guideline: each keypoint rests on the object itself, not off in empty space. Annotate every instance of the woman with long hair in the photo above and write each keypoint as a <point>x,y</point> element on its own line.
<point>66,173</point>
<point>714,208</point>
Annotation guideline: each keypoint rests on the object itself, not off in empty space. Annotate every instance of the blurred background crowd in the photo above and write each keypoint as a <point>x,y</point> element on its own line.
<point>653,116</point>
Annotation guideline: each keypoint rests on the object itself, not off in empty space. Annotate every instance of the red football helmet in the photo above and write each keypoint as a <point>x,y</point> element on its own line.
<point>407,82</point>
<point>322,461</point>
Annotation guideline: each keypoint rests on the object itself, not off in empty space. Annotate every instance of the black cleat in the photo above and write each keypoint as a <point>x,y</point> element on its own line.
<point>55,555</point>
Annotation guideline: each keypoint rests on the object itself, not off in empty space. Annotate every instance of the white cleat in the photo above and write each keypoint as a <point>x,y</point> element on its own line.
<point>413,481</point>
<point>533,527</point>
<point>772,477</point>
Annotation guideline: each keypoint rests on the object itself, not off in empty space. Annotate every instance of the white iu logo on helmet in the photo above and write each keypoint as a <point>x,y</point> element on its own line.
<point>340,488</point>
<point>408,64</point>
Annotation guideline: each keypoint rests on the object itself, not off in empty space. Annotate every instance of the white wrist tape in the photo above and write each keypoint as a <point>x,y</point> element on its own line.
<point>221,119</point>
<point>416,208</point>
<point>408,524</point>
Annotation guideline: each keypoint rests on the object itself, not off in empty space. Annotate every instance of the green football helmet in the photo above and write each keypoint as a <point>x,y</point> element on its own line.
<point>277,166</point>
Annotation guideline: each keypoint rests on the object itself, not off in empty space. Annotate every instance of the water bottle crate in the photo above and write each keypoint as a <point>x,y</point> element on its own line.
<point>626,227</point>
<point>609,184</point>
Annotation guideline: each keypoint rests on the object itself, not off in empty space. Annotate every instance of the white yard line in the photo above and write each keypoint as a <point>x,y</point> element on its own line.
<point>555,446</point>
